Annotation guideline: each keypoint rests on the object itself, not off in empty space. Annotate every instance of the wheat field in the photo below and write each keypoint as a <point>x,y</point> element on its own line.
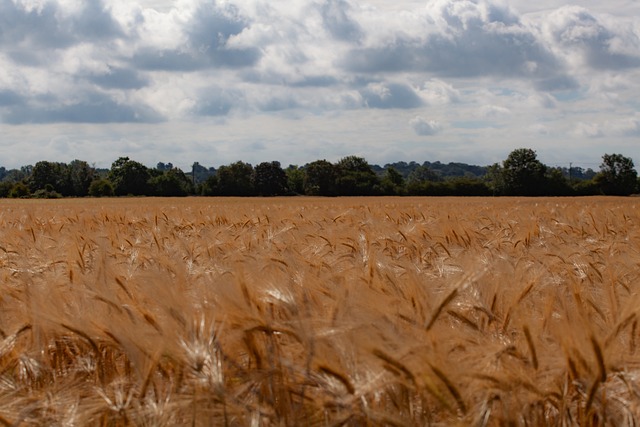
<point>320,312</point>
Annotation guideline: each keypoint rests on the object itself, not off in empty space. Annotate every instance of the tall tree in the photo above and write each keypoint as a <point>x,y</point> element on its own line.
<point>269,179</point>
<point>129,177</point>
<point>392,182</point>
<point>172,183</point>
<point>355,177</point>
<point>422,182</point>
<point>49,173</point>
<point>79,177</point>
<point>234,180</point>
<point>523,174</point>
<point>320,178</point>
<point>295,179</point>
<point>617,175</point>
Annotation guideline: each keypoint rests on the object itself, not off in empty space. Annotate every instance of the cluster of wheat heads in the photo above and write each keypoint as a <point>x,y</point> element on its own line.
<point>320,312</point>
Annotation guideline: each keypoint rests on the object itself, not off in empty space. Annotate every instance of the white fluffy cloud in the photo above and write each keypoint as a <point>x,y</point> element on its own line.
<point>208,73</point>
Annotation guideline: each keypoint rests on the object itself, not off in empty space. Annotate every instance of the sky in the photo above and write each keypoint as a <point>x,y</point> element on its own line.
<point>302,80</point>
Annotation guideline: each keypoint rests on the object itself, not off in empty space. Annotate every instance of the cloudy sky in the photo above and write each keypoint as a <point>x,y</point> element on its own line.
<point>300,80</point>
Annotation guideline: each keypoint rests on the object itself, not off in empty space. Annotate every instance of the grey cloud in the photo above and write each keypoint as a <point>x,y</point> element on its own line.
<point>471,45</point>
<point>10,98</point>
<point>97,108</point>
<point>278,103</point>
<point>338,22</point>
<point>35,27</point>
<point>218,102</point>
<point>473,53</point>
<point>47,27</point>
<point>207,46</point>
<point>274,78</point>
<point>210,32</point>
<point>316,81</point>
<point>95,22</point>
<point>557,83</point>
<point>119,78</point>
<point>29,58</point>
<point>424,127</point>
<point>390,95</point>
<point>167,60</point>
<point>576,29</point>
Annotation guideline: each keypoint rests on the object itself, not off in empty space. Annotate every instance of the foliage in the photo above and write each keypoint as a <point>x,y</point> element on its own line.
<point>523,174</point>
<point>69,180</point>
<point>20,190</point>
<point>101,188</point>
<point>171,183</point>
<point>468,186</point>
<point>234,180</point>
<point>617,175</point>
<point>295,179</point>
<point>5,188</point>
<point>556,184</point>
<point>392,183</point>
<point>129,177</point>
<point>422,181</point>
<point>355,177</point>
<point>269,179</point>
<point>48,174</point>
<point>494,179</point>
<point>320,178</point>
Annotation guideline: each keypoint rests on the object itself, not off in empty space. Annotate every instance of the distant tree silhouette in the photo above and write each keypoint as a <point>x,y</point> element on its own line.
<point>320,178</point>
<point>355,177</point>
<point>129,177</point>
<point>523,174</point>
<point>617,175</point>
<point>269,179</point>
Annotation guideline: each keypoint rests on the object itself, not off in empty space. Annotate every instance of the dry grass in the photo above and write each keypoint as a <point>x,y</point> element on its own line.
<point>320,312</point>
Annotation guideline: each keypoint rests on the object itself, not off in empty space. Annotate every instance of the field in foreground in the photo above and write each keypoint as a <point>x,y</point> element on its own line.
<point>376,311</point>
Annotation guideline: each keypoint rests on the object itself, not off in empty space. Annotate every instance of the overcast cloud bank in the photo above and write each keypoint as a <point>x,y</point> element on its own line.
<point>213,82</point>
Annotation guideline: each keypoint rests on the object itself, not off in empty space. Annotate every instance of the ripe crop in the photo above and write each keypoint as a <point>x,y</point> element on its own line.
<point>303,311</point>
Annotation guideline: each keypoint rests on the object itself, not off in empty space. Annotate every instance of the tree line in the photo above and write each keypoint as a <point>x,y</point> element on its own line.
<point>520,174</point>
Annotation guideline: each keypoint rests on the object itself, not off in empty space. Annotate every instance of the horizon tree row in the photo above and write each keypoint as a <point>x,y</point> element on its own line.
<point>520,174</point>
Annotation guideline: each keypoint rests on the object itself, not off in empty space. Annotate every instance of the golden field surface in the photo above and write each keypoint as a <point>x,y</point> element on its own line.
<point>320,312</point>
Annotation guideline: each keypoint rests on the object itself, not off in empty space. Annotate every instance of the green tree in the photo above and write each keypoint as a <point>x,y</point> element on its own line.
<point>392,182</point>
<point>295,179</point>
<point>269,179</point>
<point>523,174</point>
<point>617,175</point>
<point>5,188</point>
<point>101,188</point>
<point>129,177</point>
<point>48,192</point>
<point>234,180</point>
<point>494,179</point>
<point>49,173</point>
<point>467,186</point>
<point>19,190</point>
<point>355,177</point>
<point>320,178</point>
<point>172,183</point>
<point>421,182</point>
<point>209,186</point>
<point>557,184</point>
<point>79,177</point>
